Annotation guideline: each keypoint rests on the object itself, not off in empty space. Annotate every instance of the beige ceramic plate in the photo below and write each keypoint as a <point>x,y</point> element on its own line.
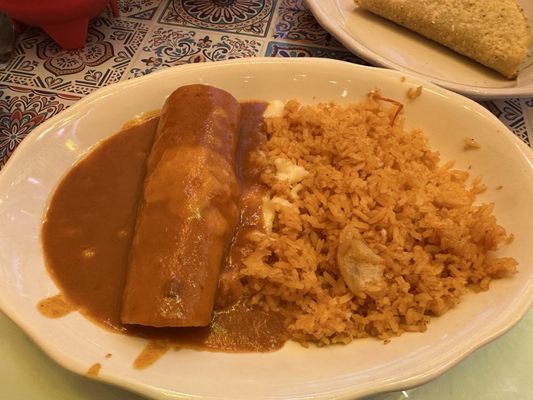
<point>386,44</point>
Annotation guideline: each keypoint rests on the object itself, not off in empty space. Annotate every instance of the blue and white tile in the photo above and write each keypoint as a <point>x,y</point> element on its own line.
<point>39,62</point>
<point>247,17</point>
<point>22,109</point>
<point>282,49</point>
<point>511,113</point>
<point>144,10</point>
<point>294,21</point>
<point>166,47</point>
<point>527,109</point>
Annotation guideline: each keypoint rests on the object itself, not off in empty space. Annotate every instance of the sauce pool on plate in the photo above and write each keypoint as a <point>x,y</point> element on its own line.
<point>89,226</point>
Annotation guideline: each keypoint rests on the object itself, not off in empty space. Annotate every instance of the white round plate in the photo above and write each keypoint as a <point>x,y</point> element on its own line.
<point>389,45</point>
<point>363,367</point>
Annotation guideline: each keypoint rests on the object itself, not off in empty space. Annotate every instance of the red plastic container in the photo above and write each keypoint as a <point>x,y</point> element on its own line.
<point>65,21</point>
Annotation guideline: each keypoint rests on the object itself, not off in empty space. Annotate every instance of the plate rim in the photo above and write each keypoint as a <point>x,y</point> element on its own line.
<point>336,30</point>
<point>519,311</point>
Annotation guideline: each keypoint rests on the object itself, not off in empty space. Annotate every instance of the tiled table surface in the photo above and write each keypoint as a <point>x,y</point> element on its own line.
<point>41,80</point>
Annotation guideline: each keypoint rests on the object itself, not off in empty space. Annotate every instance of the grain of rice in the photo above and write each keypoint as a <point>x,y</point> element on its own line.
<point>471,143</point>
<point>413,93</point>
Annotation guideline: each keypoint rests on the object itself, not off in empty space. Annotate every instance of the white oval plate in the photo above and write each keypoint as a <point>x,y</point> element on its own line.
<point>361,368</point>
<point>388,45</point>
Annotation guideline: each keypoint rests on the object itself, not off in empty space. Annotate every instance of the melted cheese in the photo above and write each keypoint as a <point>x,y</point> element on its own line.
<point>270,207</point>
<point>275,109</point>
<point>286,170</point>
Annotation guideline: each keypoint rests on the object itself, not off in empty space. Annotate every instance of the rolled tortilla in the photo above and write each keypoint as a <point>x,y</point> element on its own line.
<point>187,213</point>
<point>493,32</point>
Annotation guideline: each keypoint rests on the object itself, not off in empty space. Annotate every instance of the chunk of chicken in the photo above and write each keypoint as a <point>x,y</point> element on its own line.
<point>360,267</point>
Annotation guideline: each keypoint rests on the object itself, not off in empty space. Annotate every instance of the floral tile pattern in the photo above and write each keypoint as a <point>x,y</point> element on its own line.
<point>249,17</point>
<point>511,114</point>
<point>166,47</point>
<point>295,22</point>
<point>279,49</point>
<point>527,109</point>
<point>39,62</point>
<point>144,10</point>
<point>21,110</point>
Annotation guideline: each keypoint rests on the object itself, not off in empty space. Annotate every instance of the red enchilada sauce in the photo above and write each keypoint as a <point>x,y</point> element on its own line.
<point>89,227</point>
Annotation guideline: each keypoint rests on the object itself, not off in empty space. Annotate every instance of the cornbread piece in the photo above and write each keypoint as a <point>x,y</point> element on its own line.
<point>493,32</point>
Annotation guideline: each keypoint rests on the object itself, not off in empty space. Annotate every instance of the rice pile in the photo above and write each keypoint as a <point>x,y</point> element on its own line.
<point>417,215</point>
